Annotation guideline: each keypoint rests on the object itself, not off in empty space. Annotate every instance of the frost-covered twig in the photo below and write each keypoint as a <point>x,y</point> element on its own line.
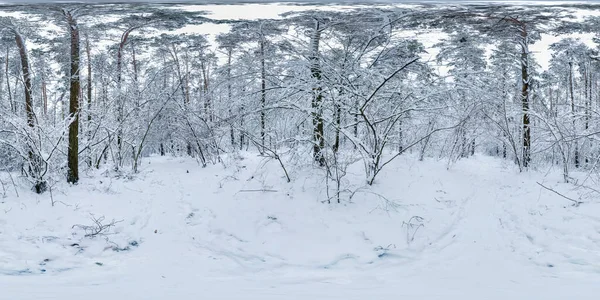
<point>409,225</point>
<point>575,202</point>
<point>98,228</point>
<point>389,204</point>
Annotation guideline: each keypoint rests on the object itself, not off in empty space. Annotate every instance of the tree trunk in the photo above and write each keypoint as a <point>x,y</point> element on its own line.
<point>120,103</point>
<point>73,151</point>
<point>187,78</point>
<point>206,82</point>
<point>10,100</point>
<point>400,136</point>
<point>120,98</point>
<point>134,63</point>
<point>242,108</point>
<point>44,94</point>
<point>338,113</point>
<point>89,98</point>
<point>338,123</point>
<point>588,100</point>
<point>317,111</point>
<point>2,77</point>
<point>231,132</point>
<point>26,79</point>
<point>356,108</point>
<point>573,116</point>
<point>525,95</point>
<point>175,56</point>
<point>36,163</point>
<point>263,90</point>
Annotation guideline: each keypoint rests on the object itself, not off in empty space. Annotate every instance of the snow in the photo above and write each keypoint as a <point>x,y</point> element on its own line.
<point>237,230</point>
<point>257,11</point>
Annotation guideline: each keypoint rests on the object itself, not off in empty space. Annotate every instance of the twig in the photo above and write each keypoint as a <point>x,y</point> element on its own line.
<point>576,203</point>
<point>51,196</point>
<point>409,225</point>
<point>3,188</point>
<point>13,183</point>
<point>587,187</point>
<point>262,190</point>
<point>97,228</point>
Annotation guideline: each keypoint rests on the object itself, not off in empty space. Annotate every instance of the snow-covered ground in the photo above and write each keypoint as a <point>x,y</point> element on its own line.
<point>238,230</point>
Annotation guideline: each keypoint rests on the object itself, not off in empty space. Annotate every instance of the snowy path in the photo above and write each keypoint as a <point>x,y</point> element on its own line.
<point>484,237</point>
<point>478,249</point>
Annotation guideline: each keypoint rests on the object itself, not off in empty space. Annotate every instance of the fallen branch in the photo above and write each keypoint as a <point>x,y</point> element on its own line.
<point>97,228</point>
<point>576,203</point>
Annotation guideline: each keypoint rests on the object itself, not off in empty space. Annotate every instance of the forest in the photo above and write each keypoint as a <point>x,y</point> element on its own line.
<point>96,93</point>
<point>89,86</point>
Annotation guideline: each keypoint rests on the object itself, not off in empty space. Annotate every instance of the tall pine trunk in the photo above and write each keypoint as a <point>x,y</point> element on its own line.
<point>73,151</point>
<point>573,116</point>
<point>36,163</point>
